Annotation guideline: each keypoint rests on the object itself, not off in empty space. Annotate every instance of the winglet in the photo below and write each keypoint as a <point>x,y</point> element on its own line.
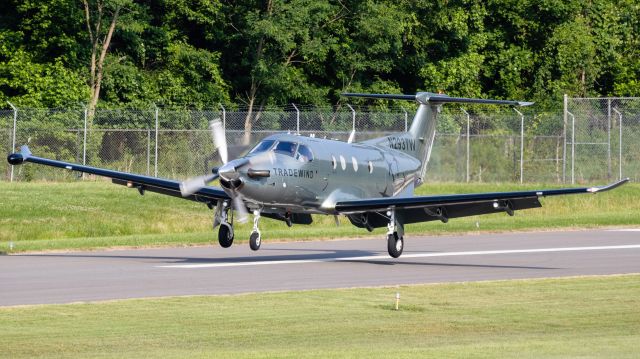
<point>608,187</point>
<point>19,158</point>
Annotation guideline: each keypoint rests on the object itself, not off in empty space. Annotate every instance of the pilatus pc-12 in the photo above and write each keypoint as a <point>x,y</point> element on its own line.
<point>290,177</point>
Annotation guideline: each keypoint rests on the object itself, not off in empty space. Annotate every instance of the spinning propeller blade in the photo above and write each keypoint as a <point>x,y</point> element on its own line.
<point>240,208</point>
<point>193,185</point>
<point>219,139</point>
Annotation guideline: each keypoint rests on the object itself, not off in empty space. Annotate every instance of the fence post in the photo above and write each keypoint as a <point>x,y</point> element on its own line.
<point>609,137</point>
<point>521,144</point>
<point>468,131</point>
<point>155,170</point>
<point>84,139</point>
<point>224,117</point>
<point>573,147</point>
<point>148,150</point>
<point>13,138</point>
<point>297,118</point>
<point>619,143</point>
<point>406,119</point>
<point>564,141</point>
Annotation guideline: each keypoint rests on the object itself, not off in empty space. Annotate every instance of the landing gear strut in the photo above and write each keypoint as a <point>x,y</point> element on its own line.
<point>255,238</point>
<point>225,233</point>
<point>395,236</point>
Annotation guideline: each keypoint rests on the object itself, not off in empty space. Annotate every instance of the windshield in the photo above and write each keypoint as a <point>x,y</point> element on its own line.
<point>287,148</point>
<point>262,146</point>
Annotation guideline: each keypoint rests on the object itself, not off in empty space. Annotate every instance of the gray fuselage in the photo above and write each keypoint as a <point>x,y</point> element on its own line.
<point>337,171</point>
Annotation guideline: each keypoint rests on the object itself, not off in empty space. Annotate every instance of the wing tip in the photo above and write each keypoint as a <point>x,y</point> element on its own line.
<point>19,158</point>
<point>609,186</point>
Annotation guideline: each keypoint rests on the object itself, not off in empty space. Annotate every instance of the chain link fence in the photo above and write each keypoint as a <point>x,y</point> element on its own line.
<point>603,139</point>
<point>489,145</point>
<point>6,126</point>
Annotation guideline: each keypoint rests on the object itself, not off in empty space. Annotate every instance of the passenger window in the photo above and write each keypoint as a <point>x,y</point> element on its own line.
<point>286,148</point>
<point>304,154</point>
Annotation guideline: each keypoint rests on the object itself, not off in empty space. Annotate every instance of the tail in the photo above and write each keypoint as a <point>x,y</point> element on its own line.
<point>418,142</point>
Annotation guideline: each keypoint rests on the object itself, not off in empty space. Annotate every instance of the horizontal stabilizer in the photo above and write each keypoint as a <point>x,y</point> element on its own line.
<point>435,98</point>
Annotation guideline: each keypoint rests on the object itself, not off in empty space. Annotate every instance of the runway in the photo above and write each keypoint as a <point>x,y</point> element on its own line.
<point>118,274</point>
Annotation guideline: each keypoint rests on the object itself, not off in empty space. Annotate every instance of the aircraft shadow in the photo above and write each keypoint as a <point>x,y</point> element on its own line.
<point>324,255</point>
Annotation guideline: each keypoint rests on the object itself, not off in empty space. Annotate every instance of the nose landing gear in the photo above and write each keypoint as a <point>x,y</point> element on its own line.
<point>255,237</point>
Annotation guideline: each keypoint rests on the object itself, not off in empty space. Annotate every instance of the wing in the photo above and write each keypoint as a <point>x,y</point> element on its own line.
<point>443,207</point>
<point>209,195</point>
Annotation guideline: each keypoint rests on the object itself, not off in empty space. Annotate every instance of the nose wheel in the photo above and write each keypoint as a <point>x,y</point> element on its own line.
<point>255,238</point>
<point>255,241</point>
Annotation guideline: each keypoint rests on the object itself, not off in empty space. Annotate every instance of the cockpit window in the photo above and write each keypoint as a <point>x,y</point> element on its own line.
<point>287,148</point>
<point>304,154</point>
<point>262,146</point>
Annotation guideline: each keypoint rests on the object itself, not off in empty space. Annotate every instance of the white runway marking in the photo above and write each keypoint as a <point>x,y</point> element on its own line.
<point>405,256</point>
<point>625,230</point>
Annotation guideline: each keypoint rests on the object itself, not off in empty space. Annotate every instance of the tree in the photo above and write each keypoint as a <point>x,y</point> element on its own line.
<point>272,43</point>
<point>101,18</point>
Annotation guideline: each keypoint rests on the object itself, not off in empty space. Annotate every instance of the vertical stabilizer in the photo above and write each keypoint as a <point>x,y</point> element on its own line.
<point>418,141</point>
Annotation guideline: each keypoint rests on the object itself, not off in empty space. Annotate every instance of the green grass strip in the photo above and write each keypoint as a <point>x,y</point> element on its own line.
<point>590,317</point>
<point>85,215</point>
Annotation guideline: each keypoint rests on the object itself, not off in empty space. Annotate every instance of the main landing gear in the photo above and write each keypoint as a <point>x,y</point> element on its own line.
<point>225,233</point>
<point>395,236</point>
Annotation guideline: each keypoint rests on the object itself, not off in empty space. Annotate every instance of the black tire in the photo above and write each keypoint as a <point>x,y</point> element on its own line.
<point>255,241</point>
<point>225,236</point>
<point>395,245</point>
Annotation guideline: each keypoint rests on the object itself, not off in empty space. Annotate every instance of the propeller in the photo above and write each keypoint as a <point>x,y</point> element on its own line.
<point>228,171</point>
<point>219,139</point>
<point>241,209</point>
<point>193,185</point>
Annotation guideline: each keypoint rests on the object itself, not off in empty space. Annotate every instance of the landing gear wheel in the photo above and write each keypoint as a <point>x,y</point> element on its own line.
<point>255,241</point>
<point>225,235</point>
<point>395,244</point>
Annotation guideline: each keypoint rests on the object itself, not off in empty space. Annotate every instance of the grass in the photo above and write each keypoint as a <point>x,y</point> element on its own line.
<point>589,317</point>
<point>85,215</point>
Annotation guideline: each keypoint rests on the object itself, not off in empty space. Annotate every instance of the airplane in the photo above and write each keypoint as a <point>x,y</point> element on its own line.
<point>289,177</point>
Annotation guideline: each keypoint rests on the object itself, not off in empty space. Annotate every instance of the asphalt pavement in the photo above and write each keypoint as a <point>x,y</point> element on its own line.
<point>117,274</point>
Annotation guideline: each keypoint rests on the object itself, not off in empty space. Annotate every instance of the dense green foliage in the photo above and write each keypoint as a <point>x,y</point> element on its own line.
<point>198,53</point>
